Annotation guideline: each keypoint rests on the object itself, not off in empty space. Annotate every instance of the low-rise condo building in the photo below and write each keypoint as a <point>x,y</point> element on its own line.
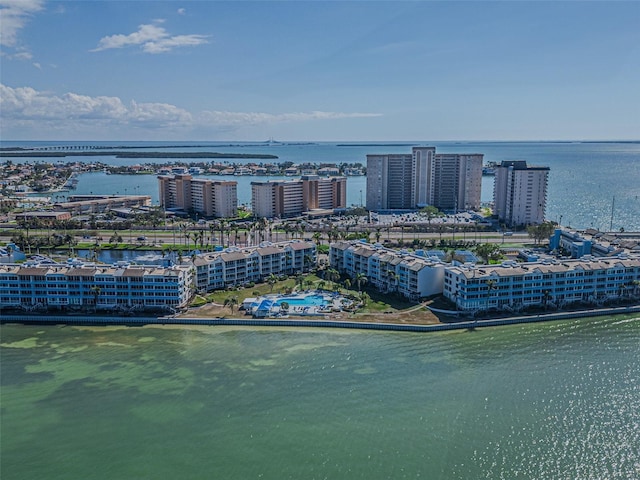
<point>411,275</point>
<point>512,286</point>
<point>77,286</point>
<point>238,266</point>
<point>593,242</point>
<point>88,204</point>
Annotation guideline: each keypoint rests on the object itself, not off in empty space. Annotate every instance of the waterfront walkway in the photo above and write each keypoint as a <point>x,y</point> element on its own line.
<point>471,324</point>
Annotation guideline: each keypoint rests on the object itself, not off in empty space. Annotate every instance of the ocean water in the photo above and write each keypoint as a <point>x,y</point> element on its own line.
<point>591,184</point>
<point>558,400</point>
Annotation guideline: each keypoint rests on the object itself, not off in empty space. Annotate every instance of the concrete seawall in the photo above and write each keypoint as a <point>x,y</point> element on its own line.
<point>140,321</point>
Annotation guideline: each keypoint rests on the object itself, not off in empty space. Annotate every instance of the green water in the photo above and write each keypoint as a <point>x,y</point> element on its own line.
<point>547,401</point>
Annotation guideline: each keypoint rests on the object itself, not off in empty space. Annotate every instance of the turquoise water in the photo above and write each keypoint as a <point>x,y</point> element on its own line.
<point>307,301</point>
<point>558,400</point>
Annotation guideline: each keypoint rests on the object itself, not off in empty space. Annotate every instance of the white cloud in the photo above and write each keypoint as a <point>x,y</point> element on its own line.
<point>182,11</point>
<point>30,108</point>
<point>14,14</point>
<point>219,118</point>
<point>152,39</point>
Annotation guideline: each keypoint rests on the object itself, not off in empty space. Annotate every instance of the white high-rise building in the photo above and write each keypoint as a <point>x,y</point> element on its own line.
<point>448,181</point>
<point>520,193</point>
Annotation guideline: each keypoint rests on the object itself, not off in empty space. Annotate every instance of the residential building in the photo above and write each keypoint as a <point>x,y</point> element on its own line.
<point>450,182</point>
<point>520,193</point>
<point>408,274</point>
<point>78,285</point>
<point>88,204</point>
<point>45,217</point>
<point>513,286</point>
<point>209,198</point>
<point>238,266</point>
<point>594,242</point>
<point>279,198</point>
<point>456,181</point>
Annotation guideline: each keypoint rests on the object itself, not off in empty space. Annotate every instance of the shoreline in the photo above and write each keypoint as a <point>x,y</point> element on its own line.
<point>400,327</point>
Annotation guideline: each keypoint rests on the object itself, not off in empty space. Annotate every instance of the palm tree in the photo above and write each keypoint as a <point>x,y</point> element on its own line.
<point>317,237</point>
<point>347,284</point>
<point>491,285</point>
<point>222,223</point>
<point>235,234</point>
<point>378,235</point>
<point>231,302</point>
<point>212,228</point>
<point>546,296</point>
<point>284,307</point>
<point>307,261</point>
<point>364,298</point>
<point>393,277</point>
<point>321,284</point>
<point>272,280</point>
<point>95,291</point>
<point>361,279</point>
<point>332,275</point>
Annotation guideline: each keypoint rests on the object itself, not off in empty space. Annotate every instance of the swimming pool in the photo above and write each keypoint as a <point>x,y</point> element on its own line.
<point>306,301</point>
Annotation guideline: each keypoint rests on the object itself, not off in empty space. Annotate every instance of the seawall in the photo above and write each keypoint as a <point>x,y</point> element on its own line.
<point>140,321</point>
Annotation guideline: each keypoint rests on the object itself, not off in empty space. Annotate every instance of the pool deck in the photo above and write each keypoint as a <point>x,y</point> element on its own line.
<point>261,308</point>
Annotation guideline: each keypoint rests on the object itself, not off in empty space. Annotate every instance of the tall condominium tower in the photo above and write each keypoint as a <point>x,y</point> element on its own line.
<point>448,181</point>
<point>520,193</point>
<point>278,198</point>
<point>209,198</point>
<point>390,182</point>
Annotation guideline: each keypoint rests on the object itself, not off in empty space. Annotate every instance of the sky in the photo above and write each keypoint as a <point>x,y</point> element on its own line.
<point>319,70</point>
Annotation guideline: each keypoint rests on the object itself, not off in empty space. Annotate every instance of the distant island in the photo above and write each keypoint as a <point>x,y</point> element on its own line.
<point>375,144</point>
<point>120,154</point>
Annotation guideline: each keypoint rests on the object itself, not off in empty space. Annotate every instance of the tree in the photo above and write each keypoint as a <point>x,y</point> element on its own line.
<point>231,302</point>
<point>489,251</point>
<point>272,280</point>
<point>546,296</point>
<point>95,291</point>
<point>317,237</point>
<point>431,212</point>
<point>361,279</point>
<point>491,286</point>
<point>541,232</point>
<point>284,307</point>
<point>364,298</point>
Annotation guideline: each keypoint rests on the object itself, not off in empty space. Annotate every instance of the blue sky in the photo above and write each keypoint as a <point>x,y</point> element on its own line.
<point>319,71</point>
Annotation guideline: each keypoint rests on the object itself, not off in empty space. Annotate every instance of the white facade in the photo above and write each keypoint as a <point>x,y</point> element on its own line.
<point>387,270</point>
<point>512,286</point>
<point>238,266</point>
<point>263,200</point>
<point>103,287</point>
<point>520,193</point>
<point>448,181</point>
